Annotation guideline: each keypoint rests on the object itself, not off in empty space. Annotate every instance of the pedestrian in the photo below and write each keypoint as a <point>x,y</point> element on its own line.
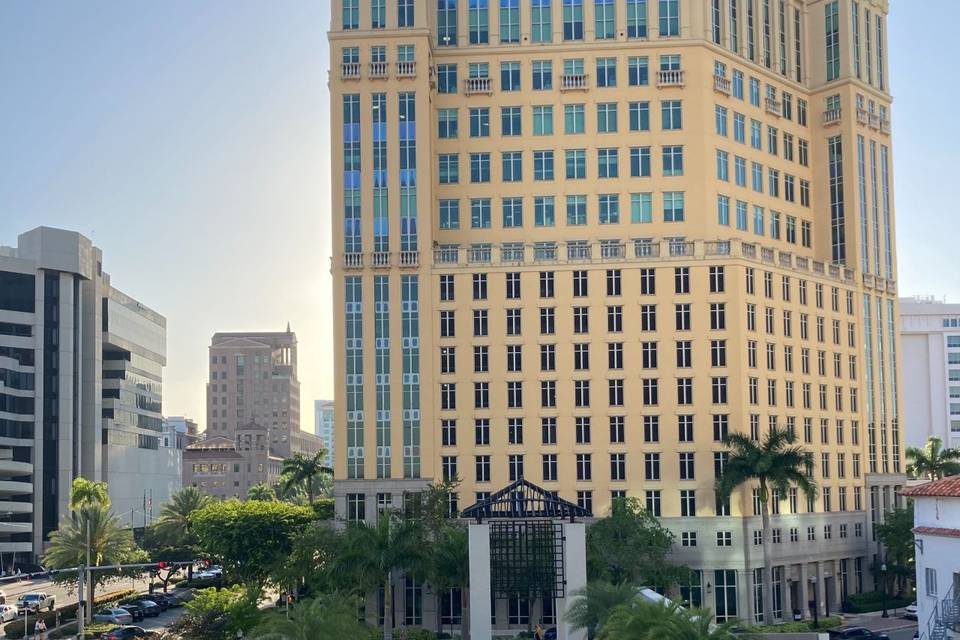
<point>538,632</point>
<point>40,629</point>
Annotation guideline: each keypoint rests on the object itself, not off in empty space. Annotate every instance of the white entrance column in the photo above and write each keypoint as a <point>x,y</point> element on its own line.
<point>575,568</point>
<point>479,542</point>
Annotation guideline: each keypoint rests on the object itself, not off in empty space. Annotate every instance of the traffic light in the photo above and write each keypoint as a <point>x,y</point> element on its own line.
<point>162,565</point>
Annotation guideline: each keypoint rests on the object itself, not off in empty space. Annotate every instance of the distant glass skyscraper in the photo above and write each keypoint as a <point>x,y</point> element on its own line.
<point>323,425</point>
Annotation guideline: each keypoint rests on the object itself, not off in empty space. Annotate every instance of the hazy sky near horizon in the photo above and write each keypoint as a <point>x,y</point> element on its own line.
<point>189,140</point>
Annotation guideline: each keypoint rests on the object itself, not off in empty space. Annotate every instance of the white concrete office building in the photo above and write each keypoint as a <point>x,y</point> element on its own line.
<point>930,337</point>
<point>80,390</point>
<point>323,425</point>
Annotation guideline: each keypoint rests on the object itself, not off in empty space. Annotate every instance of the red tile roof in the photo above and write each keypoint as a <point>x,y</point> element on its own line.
<point>937,531</point>
<point>946,488</point>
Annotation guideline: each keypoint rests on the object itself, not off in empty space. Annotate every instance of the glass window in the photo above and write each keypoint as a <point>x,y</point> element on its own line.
<point>573,19</point>
<point>636,18</point>
<point>541,28</point>
<point>478,21</point>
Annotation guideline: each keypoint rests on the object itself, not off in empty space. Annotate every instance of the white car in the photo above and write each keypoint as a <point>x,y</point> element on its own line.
<point>8,612</point>
<point>910,611</point>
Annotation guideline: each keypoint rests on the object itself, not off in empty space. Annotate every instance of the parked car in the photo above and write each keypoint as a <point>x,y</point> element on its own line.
<point>855,633</point>
<point>162,600</point>
<point>150,608</point>
<point>135,610</point>
<point>8,612</point>
<point>114,615</point>
<point>36,601</point>
<point>910,611</point>
<point>124,633</point>
<point>3,597</point>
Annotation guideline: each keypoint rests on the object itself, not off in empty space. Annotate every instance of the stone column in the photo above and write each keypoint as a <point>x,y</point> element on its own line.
<point>575,568</point>
<point>804,590</point>
<point>479,544</point>
<point>786,585</point>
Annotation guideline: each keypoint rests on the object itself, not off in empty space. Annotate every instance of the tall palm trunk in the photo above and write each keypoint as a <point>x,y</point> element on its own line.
<point>767,555</point>
<point>388,607</point>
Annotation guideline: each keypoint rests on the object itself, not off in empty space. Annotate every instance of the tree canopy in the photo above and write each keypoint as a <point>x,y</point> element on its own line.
<point>249,538</point>
<point>932,461</point>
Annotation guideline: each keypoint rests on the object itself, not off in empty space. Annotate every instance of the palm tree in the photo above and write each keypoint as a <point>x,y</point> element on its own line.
<point>776,463</point>
<point>86,492</point>
<point>260,491</point>
<point>933,461</point>
<point>371,554</point>
<point>301,470</point>
<point>329,616</point>
<point>450,568</point>
<point>593,604</point>
<point>643,620</point>
<point>109,542</point>
<point>173,524</point>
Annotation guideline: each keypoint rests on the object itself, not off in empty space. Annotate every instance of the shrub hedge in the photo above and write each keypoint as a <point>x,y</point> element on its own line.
<point>872,601</point>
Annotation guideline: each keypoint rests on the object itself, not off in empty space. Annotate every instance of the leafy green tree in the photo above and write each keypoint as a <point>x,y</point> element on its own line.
<point>593,604</point>
<point>218,614</point>
<point>372,554</point>
<point>85,492</point>
<point>301,470</point>
<point>252,538</point>
<point>449,562</point>
<point>776,464</point>
<point>643,620</point>
<point>109,543</point>
<point>330,616</point>
<point>896,536</point>
<point>173,527</point>
<point>261,491</point>
<point>631,545</point>
<point>933,461</point>
<point>312,560</point>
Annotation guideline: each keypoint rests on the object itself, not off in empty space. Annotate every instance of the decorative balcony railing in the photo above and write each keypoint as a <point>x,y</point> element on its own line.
<point>774,106</point>
<point>574,82</point>
<point>350,70</point>
<point>407,69</point>
<point>885,126</point>
<point>352,260</point>
<point>831,117</point>
<point>873,121</point>
<point>381,259</point>
<point>644,249</point>
<point>409,258</point>
<point>862,116</point>
<point>474,86</point>
<point>377,70</point>
<point>721,84</point>
<point>670,78</point>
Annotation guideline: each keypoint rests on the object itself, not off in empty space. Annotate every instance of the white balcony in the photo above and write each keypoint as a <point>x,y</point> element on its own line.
<point>774,106</point>
<point>721,84</point>
<point>381,259</point>
<point>409,258</point>
<point>477,86</point>
<point>574,82</point>
<point>831,117</point>
<point>377,70</point>
<point>353,261</point>
<point>874,121</point>
<point>407,69</point>
<point>349,70</point>
<point>862,116</point>
<point>672,78</point>
<point>885,126</point>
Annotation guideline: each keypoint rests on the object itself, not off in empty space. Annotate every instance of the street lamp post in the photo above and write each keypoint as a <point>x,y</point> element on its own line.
<point>883,587</point>
<point>815,603</point>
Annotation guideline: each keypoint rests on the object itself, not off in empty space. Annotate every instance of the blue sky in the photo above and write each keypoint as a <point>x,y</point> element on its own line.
<point>189,140</point>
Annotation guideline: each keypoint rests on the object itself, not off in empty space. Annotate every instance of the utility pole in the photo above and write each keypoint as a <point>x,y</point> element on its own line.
<point>89,585</point>
<point>81,610</point>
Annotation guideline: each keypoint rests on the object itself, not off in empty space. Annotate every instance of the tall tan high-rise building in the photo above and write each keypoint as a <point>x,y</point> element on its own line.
<point>709,188</point>
<point>253,410</point>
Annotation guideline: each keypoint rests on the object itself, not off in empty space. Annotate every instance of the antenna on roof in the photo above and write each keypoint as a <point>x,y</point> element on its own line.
<point>288,326</point>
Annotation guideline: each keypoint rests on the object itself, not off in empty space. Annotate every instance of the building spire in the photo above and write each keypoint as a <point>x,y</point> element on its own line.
<point>288,326</point>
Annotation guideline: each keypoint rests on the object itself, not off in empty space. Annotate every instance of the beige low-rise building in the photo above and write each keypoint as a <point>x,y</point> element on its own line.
<point>226,468</point>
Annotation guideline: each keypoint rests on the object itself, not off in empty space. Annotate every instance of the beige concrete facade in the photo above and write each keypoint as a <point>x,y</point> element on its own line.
<point>607,353</point>
<point>253,402</point>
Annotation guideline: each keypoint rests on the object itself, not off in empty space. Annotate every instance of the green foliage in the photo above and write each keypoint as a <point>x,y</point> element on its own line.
<point>872,601</point>
<point>593,604</point>
<point>414,633</point>
<point>327,617</point>
<point>631,545</point>
<point>896,535</point>
<point>301,470</point>
<point>110,543</point>
<point>642,620</point>
<point>933,461</point>
<point>323,508</point>
<point>312,559</point>
<point>173,528</point>
<point>219,614</point>
<point>14,629</point>
<point>776,464</point>
<point>85,492</point>
<point>261,491</point>
<point>801,626</point>
<point>251,538</point>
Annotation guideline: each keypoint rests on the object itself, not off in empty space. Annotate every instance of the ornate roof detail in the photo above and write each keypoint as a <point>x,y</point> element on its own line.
<point>524,500</point>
